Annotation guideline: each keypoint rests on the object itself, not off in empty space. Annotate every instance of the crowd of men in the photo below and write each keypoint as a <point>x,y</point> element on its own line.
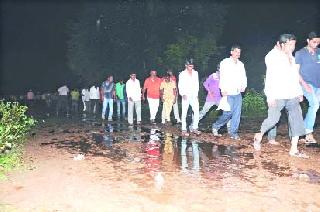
<point>288,79</point>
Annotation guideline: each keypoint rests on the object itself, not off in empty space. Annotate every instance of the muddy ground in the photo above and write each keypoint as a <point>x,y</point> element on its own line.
<point>81,165</point>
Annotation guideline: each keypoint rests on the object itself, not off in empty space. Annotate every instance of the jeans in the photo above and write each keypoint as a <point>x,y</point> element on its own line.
<point>131,105</point>
<point>294,116</point>
<point>107,102</point>
<point>206,107</point>
<point>123,103</point>
<point>194,103</point>
<point>313,100</point>
<point>235,102</point>
<point>153,107</point>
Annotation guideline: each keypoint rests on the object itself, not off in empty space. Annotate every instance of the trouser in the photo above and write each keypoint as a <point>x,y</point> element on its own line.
<point>137,106</point>
<point>294,116</point>
<point>123,103</point>
<point>94,103</point>
<point>206,107</point>
<point>74,106</point>
<point>106,103</point>
<point>166,109</point>
<point>62,104</point>
<point>235,102</point>
<point>176,110</point>
<point>313,100</point>
<point>153,107</point>
<point>194,103</point>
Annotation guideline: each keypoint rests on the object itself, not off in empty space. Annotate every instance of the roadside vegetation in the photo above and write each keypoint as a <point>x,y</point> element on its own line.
<point>14,126</point>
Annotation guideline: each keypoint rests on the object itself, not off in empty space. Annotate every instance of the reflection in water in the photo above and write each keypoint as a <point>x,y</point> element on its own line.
<point>108,136</point>
<point>134,133</point>
<point>153,159</point>
<point>185,155</point>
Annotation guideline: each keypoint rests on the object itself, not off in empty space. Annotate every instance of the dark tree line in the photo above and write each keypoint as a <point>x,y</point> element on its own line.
<point>134,35</point>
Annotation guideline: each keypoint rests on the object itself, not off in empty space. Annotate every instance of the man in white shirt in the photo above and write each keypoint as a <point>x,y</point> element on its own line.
<point>63,102</point>
<point>94,98</point>
<point>188,85</point>
<point>283,90</point>
<point>133,90</point>
<point>86,100</point>
<point>233,81</point>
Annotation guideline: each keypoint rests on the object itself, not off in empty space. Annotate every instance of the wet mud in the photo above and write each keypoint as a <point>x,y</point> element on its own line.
<point>154,163</point>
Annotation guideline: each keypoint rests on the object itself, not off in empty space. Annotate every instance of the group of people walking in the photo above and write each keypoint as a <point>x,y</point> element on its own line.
<point>288,79</point>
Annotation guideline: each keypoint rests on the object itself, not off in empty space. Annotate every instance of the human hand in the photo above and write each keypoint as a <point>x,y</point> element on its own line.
<point>272,103</point>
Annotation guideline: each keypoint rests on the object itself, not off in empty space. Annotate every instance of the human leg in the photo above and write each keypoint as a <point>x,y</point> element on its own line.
<point>313,101</point>
<point>130,112</point>
<point>110,103</point>
<point>274,113</point>
<point>176,111</point>
<point>235,104</point>
<point>138,110</point>
<point>206,107</point>
<point>185,106</point>
<point>104,107</point>
<point>195,108</point>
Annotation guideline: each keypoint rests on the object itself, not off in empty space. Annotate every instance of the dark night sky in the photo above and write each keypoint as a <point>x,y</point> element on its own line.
<point>33,38</point>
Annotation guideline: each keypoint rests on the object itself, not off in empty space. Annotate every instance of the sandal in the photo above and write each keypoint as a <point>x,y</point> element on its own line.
<point>299,155</point>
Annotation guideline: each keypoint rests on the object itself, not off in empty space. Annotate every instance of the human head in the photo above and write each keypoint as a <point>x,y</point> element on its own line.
<point>167,77</point>
<point>169,72</point>
<point>287,42</point>
<point>110,78</point>
<point>153,73</point>
<point>189,64</point>
<point>313,40</point>
<point>133,76</point>
<point>235,51</point>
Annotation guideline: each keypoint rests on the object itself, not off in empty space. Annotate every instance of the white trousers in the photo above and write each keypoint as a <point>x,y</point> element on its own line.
<point>194,103</point>
<point>153,107</point>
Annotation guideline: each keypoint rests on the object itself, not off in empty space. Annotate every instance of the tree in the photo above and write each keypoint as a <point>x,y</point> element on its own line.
<point>116,38</point>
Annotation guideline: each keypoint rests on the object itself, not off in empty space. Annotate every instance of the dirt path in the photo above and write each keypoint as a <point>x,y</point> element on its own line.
<point>132,175</point>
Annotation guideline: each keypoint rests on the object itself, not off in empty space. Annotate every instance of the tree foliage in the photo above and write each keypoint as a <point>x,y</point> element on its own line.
<point>137,35</point>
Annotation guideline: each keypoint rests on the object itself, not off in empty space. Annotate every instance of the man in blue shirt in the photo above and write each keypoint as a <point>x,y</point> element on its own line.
<point>108,94</point>
<point>308,59</point>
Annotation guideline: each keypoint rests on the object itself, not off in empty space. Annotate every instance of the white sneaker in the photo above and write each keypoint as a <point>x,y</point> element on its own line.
<point>215,132</point>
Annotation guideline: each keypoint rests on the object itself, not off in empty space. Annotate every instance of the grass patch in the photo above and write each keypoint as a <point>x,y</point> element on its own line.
<point>9,161</point>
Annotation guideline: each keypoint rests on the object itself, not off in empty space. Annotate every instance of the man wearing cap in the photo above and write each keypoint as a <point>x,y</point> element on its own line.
<point>282,93</point>
<point>308,59</point>
<point>133,91</point>
<point>233,81</point>
<point>188,89</point>
<point>152,86</point>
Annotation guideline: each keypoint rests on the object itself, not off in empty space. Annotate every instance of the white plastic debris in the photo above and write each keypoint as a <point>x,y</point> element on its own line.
<point>79,157</point>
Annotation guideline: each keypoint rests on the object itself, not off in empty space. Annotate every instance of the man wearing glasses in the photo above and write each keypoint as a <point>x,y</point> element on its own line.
<point>188,89</point>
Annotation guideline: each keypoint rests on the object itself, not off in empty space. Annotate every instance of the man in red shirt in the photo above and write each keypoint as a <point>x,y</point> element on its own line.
<point>152,86</point>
